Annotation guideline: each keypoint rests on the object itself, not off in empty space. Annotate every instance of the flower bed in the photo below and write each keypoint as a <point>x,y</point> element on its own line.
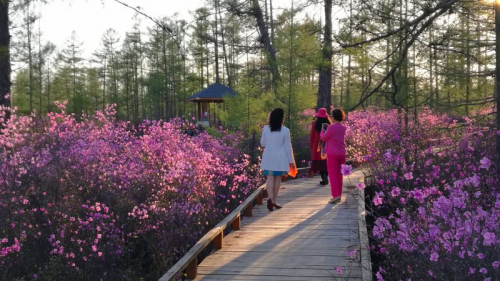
<point>434,196</point>
<point>94,199</point>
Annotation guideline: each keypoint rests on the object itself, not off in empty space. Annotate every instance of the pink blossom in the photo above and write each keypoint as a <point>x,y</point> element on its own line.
<point>361,185</point>
<point>377,200</point>
<point>408,175</point>
<point>434,256</point>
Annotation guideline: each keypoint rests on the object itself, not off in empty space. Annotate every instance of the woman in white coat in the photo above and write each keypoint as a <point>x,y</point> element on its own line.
<point>277,159</point>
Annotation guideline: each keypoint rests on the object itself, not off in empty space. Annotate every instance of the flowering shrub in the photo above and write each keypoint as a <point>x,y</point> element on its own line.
<point>436,195</point>
<point>94,199</point>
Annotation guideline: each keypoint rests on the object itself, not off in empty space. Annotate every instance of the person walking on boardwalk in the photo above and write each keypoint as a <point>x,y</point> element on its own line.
<point>318,159</point>
<point>334,138</point>
<point>277,159</point>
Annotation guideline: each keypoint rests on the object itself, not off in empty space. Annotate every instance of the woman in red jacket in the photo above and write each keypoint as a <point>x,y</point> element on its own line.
<point>318,164</point>
<point>334,137</point>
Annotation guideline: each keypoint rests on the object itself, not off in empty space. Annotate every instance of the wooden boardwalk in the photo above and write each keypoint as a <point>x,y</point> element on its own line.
<point>306,240</point>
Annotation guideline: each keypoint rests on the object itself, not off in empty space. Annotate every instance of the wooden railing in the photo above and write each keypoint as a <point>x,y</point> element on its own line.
<point>189,261</point>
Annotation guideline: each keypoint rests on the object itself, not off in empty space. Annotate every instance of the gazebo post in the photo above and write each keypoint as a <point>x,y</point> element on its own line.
<point>214,93</point>
<point>199,110</point>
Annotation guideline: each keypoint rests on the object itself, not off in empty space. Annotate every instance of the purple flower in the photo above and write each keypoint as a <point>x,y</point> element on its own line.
<point>395,191</point>
<point>418,195</point>
<point>361,185</point>
<point>483,270</point>
<point>346,170</point>
<point>485,163</point>
<point>339,270</point>
<point>475,180</point>
<point>496,264</point>
<point>408,176</point>
<point>489,238</point>
<point>352,254</point>
<point>379,276</point>
<point>434,256</point>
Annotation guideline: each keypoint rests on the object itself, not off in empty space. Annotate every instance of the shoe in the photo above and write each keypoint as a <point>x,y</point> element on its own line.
<point>334,200</point>
<point>269,204</point>
<point>277,206</point>
<point>324,179</point>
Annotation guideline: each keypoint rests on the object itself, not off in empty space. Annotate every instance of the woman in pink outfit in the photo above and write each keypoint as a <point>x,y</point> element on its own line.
<point>334,137</point>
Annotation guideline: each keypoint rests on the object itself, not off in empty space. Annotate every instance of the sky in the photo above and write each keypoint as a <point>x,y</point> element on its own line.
<point>91,18</point>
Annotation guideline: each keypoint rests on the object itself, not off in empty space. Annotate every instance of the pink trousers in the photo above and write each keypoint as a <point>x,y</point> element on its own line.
<point>333,163</point>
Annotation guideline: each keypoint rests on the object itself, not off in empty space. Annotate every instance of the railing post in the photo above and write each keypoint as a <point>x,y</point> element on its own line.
<point>192,269</point>
<point>258,200</point>
<point>248,210</point>
<point>236,224</point>
<point>218,240</point>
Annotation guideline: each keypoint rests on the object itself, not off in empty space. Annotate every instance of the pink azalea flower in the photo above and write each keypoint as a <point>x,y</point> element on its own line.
<point>483,270</point>
<point>339,270</point>
<point>434,256</point>
<point>408,175</point>
<point>377,200</point>
<point>361,185</point>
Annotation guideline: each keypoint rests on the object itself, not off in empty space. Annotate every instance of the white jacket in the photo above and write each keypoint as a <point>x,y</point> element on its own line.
<point>277,150</point>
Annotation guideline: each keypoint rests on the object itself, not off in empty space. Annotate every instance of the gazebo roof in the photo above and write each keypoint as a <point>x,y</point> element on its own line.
<point>216,91</point>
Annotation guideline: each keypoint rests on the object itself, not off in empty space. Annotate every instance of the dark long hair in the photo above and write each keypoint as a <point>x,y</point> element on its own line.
<point>319,123</point>
<point>276,119</point>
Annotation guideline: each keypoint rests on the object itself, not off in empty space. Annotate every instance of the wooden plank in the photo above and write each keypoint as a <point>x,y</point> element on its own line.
<point>263,271</point>
<point>214,277</point>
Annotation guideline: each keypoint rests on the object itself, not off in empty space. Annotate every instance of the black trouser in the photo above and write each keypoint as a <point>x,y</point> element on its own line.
<point>324,176</point>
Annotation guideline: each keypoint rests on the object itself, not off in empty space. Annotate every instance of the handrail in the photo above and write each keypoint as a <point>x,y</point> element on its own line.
<point>190,260</point>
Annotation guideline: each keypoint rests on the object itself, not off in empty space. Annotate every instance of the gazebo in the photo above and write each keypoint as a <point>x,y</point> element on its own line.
<point>214,93</point>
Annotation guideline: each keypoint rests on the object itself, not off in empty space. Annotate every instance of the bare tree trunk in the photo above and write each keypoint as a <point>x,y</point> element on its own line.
<point>349,60</point>
<point>229,78</point>
<point>264,37</point>
<point>40,72</point>
<point>325,70</point>
<point>4,55</point>
<point>468,82</point>
<point>30,56</point>
<point>216,33</point>
<point>497,77</point>
<point>48,86</point>
<point>290,74</point>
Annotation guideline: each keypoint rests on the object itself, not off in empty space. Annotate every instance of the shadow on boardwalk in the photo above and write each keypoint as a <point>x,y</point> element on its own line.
<point>306,240</point>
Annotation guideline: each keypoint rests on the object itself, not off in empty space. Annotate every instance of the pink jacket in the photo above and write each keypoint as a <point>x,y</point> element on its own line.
<point>334,137</point>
